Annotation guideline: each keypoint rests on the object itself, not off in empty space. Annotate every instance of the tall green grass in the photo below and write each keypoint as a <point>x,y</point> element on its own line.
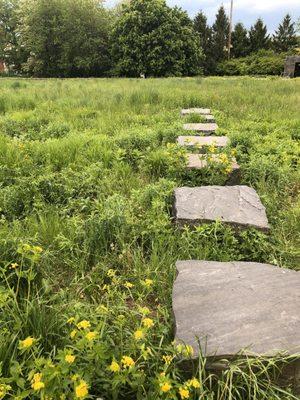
<point>87,172</point>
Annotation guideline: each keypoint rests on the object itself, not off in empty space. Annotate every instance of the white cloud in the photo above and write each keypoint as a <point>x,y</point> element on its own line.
<point>255,6</point>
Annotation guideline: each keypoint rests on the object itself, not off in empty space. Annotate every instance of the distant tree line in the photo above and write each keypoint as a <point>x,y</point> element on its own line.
<point>80,38</point>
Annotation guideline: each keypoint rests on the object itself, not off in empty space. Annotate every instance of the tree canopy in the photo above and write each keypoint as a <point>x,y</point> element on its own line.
<point>156,40</point>
<point>65,37</point>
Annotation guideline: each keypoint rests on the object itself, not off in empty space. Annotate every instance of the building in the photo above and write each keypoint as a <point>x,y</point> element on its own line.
<point>292,67</point>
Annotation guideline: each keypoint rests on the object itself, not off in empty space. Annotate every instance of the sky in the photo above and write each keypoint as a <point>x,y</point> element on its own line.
<point>246,11</point>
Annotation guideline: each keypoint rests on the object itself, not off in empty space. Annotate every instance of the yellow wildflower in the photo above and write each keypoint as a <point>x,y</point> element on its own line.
<point>36,382</point>
<point>81,390</point>
<point>114,366</point>
<point>138,334</point>
<point>148,322</point>
<point>194,383</point>
<point>167,359</point>
<point>128,285</point>
<point>14,265</point>
<point>74,377</point>
<point>26,343</point>
<point>147,282</point>
<point>185,349</point>
<point>102,309</point>
<point>166,387</point>
<point>228,170</point>
<point>84,324</point>
<point>144,310</point>
<point>69,358</point>
<point>184,393</point>
<point>71,320</point>
<point>91,336</point>
<point>73,333</point>
<point>127,361</point>
<point>37,249</point>
<point>111,273</point>
<point>4,389</point>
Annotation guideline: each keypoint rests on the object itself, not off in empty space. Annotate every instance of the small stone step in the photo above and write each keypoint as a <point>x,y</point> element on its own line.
<point>199,161</point>
<point>238,206</point>
<point>234,306</point>
<point>201,111</point>
<point>209,118</point>
<point>199,141</point>
<point>205,128</point>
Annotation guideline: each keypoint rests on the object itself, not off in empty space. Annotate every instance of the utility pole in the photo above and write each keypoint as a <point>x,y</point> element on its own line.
<point>230,29</point>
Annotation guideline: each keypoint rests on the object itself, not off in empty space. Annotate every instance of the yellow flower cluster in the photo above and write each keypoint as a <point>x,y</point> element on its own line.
<point>148,322</point>
<point>84,324</point>
<point>139,334</point>
<point>69,358</point>
<point>81,390</point>
<point>127,361</point>
<point>36,382</point>
<point>26,343</point>
<point>184,393</point>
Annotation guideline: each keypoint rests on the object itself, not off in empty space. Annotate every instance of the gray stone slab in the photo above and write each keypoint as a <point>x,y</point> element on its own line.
<point>201,111</point>
<point>205,128</point>
<point>238,206</point>
<point>209,118</point>
<point>232,306</point>
<point>200,141</point>
<point>199,161</point>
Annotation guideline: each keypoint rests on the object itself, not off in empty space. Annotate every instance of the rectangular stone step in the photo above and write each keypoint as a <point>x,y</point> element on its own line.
<point>199,161</point>
<point>205,128</point>
<point>201,111</point>
<point>209,118</point>
<point>199,141</point>
<point>233,306</point>
<point>238,206</point>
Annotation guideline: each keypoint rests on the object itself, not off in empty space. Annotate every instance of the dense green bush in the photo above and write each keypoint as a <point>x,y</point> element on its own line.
<point>156,40</point>
<point>260,63</point>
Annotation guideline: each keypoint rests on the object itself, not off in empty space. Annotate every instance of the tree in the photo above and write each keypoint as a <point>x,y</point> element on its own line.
<point>285,37</point>
<point>156,40</point>
<point>259,39</point>
<point>11,50</point>
<point>240,41</point>
<point>65,37</point>
<point>220,35</point>
<point>205,33</point>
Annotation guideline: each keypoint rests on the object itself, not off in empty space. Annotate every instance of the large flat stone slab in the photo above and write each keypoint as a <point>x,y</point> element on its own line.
<point>199,161</point>
<point>201,111</point>
<point>205,128</point>
<point>231,306</point>
<point>202,141</point>
<point>238,206</point>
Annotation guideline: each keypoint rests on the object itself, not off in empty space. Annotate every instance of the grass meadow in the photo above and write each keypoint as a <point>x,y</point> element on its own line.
<point>87,242</point>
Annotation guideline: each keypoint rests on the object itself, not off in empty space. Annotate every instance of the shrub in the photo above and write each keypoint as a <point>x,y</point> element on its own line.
<point>260,63</point>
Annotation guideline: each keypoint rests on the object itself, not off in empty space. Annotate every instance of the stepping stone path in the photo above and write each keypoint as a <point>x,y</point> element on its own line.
<point>199,161</point>
<point>205,128</point>
<point>200,111</point>
<point>238,206</point>
<point>231,306</point>
<point>199,141</point>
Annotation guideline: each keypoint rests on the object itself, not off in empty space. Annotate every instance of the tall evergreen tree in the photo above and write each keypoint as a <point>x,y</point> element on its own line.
<point>285,37</point>
<point>205,33</point>
<point>259,39</point>
<point>240,41</point>
<point>220,34</point>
